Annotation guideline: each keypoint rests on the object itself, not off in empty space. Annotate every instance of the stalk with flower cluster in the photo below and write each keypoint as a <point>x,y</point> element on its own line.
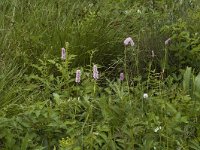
<point>165,56</point>
<point>78,79</point>
<point>65,59</point>
<point>78,76</point>
<point>95,76</point>
<point>128,41</point>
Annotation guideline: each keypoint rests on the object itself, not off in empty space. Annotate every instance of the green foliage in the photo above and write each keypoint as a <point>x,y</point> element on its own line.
<point>11,85</point>
<point>191,83</point>
<point>42,107</point>
<point>117,119</point>
<point>187,79</point>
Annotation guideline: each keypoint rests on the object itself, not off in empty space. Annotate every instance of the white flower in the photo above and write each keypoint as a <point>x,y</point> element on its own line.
<point>128,41</point>
<point>139,11</point>
<point>167,41</point>
<point>157,129</point>
<point>145,95</point>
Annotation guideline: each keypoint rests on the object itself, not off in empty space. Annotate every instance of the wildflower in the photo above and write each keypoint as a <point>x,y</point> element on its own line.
<point>139,11</point>
<point>95,72</point>
<point>167,41</point>
<point>63,54</point>
<point>78,76</point>
<point>157,129</point>
<point>145,96</point>
<point>121,76</point>
<point>128,41</point>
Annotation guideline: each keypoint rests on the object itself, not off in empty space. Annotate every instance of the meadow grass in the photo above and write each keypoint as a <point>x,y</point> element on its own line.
<point>53,103</point>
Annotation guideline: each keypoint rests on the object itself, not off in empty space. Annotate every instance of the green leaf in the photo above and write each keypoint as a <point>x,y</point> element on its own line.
<point>197,85</point>
<point>194,144</point>
<point>171,108</point>
<point>187,79</point>
<point>25,142</point>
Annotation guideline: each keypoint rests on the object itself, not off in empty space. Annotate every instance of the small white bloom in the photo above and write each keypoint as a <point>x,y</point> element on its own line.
<point>157,129</point>
<point>128,41</point>
<point>145,95</point>
<point>167,41</point>
<point>139,11</point>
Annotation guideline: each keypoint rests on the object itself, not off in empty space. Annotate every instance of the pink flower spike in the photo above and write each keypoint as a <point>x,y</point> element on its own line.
<point>167,41</point>
<point>128,41</point>
<point>121,76</point>
<point>78,76</point>
<point>95,72</point>
<point>63,54</point>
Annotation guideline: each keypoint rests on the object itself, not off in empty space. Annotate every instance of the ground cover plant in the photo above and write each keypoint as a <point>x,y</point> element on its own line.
<point>90,74</point>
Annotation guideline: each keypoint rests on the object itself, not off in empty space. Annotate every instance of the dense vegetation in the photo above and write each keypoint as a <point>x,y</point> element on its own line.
<point>128,77</point>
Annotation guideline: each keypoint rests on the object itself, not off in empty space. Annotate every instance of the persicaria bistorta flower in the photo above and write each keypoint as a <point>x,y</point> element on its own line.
<point>78,76</point>
<point>95,72</point>
<point>121,77</point>
<point>167,41</point>
<point>145,96</point>
<point>128,41</point>
<point>63,54</point>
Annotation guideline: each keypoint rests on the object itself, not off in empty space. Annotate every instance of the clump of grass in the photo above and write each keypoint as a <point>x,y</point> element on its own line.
<point>55,101</point>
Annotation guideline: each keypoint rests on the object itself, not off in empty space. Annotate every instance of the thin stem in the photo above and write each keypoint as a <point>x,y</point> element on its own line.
<point>94,88</point>
<point>165,60</point>
<point>125,70</point>
<point>137,62</point>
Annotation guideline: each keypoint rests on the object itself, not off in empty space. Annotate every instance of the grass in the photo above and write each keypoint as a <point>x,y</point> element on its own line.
<point>43,108</point>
